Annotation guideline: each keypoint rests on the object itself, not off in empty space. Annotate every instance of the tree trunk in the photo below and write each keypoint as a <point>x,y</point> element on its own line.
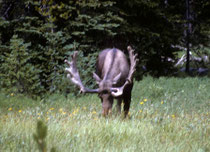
<point>187,37</point>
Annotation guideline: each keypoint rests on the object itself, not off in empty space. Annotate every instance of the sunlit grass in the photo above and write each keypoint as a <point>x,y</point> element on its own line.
<point>175,118</point>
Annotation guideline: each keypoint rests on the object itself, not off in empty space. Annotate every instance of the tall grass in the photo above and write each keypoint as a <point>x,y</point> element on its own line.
<point>166,114</point>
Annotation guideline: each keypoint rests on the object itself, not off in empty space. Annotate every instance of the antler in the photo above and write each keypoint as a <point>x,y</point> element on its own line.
<point>133,62</point>
<point>74,76</point>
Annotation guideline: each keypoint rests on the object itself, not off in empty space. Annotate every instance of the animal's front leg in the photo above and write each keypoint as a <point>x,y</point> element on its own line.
<point>119,102</point>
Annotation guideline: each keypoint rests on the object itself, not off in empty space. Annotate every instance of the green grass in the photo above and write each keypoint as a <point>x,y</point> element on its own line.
<point>166,114</point>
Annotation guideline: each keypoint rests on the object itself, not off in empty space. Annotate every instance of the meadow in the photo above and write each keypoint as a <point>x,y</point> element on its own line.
<point>166,114</point>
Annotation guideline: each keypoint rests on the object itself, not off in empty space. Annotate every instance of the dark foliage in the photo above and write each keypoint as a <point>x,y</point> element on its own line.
<point>36,37</point>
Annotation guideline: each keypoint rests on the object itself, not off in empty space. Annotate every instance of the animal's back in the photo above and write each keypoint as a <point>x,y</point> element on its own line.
<point>110,63</point>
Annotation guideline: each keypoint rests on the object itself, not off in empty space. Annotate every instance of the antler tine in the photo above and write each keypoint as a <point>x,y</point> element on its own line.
<point>74,76</point>
<point>73,73</point>
<point>133,62</point>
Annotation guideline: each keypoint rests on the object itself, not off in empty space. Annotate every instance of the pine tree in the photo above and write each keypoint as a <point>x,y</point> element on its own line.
<point>18,72</point>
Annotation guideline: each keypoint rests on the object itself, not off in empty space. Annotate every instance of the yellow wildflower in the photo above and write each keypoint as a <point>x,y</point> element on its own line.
<point>173,116</point>
<point>94,112</point>
<point>74,112</point>
<point>145,100</point>
<point>52,109</point>
<point>162,102</point>
<point>10,109</point>
<point>142,103</point>
<point>95,118</point>
<point>12,94</point>
<point>61,110</point>
<point>20,111</point>
<point>140,111</point>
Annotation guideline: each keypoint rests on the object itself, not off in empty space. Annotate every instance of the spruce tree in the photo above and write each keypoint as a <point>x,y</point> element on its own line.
<point>18,72</point>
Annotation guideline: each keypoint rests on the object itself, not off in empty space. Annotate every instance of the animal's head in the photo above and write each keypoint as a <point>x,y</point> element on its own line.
<point>106,92</point>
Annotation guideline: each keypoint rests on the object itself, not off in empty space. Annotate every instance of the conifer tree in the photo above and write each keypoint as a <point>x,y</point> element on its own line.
<point>18,71</point>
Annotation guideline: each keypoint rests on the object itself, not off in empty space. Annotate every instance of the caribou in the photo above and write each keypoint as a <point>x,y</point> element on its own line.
<point>114,76</point>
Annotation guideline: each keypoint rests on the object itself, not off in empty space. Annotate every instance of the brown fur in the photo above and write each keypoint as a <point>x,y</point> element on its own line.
<point>110,63</point>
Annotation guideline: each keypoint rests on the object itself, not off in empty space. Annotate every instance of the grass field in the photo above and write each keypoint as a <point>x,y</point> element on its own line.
<point>166,114</point>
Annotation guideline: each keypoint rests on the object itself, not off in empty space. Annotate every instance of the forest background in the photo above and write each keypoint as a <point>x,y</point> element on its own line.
<point>37,35</point>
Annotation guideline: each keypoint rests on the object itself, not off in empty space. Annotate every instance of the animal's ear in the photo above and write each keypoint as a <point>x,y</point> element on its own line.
<point>114,81</point>
<point>96,77</point>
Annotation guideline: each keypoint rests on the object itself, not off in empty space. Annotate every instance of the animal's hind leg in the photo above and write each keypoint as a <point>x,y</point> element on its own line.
<point>126,106</point>
<point>127,99</point>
